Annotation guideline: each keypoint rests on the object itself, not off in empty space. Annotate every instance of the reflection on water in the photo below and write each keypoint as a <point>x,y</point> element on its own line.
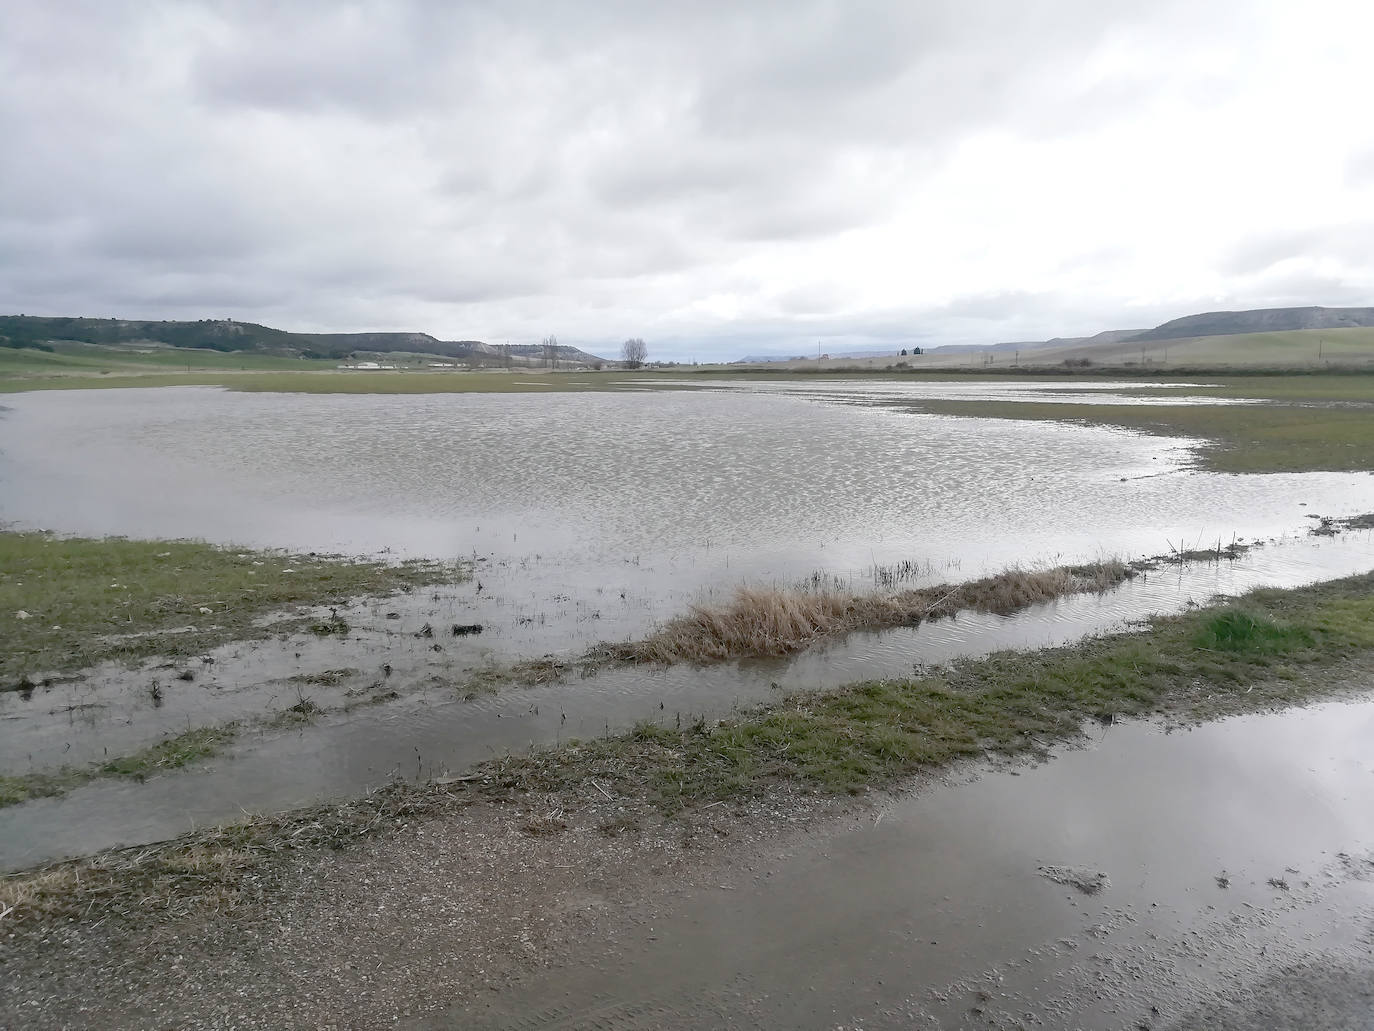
<point>935,914</point>
<point>709,487</point>
<point>590,517</point>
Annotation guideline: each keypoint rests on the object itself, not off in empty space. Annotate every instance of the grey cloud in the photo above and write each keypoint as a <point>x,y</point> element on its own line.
<point>371,59</point>
<point>523,167</point>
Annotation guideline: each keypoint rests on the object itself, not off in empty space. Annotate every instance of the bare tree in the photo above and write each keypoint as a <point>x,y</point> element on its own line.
<point>551,351</point>
<point>633,352</point>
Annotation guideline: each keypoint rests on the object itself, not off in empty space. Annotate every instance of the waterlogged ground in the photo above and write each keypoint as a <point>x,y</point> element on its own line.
<point>589,517</point>
<point>1147,879</point>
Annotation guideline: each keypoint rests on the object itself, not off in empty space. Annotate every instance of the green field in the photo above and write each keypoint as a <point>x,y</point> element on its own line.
<point>83,360</point>
<point>1285,435</point>
<point>1307,347</point>
<point>87,366</point>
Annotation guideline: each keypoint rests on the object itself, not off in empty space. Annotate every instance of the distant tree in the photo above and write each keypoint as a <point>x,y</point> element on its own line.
<point>633,352</point>
<point>550,344</point>
<point>903,352</point>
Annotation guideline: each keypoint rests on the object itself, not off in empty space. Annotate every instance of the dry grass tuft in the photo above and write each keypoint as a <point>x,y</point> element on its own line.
<point>773,621</point>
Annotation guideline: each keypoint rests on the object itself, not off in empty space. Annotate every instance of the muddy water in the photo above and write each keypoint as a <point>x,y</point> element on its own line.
<point>589,517</point>
<point>1230,851</point>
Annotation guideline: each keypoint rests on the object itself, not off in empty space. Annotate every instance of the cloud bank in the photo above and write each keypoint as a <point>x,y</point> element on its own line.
<point>714,177</point>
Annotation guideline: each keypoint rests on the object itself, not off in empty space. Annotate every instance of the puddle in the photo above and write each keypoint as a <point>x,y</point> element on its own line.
<point>431,730</point>
<point>1226,852</point>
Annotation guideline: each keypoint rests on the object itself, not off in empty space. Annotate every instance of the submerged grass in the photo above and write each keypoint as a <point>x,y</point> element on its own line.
<point>170,754</point>
<point>777,621</point>
<point>1268,648</point>
<point>67,603</point>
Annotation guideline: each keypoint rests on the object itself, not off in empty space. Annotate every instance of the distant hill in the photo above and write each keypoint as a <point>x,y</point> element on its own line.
<point>231,336</point>
<point>1108,336</point>
<point>1259,320</point>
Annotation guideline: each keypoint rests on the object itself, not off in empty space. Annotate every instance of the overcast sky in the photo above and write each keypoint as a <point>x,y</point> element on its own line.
<point>719,178</point>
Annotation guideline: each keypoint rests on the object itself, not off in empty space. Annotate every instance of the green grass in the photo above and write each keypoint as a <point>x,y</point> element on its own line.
<point>1355,388</point>
<point>76,361</point>
<point>88,600</point>
<point>1258,438</point>
<point>170,754</point>
<point>333,381</point>
<point>1236,630</point>
<point>1313,347</point>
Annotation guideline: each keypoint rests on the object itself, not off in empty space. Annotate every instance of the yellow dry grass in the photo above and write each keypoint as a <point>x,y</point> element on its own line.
<point>776,621</point>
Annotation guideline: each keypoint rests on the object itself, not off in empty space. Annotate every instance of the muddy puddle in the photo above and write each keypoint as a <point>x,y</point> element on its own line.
<point>1213,858</point>
<point>587,518</point>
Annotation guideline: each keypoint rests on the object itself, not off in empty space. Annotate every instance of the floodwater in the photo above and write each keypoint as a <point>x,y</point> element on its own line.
<point>1226,853</point>
<point>587,517</point>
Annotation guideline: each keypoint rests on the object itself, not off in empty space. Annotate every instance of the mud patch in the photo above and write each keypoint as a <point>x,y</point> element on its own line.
<point>1088,882</point>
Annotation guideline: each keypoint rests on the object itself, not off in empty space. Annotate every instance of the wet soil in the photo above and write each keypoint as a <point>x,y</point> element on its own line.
<point>1235,855</point>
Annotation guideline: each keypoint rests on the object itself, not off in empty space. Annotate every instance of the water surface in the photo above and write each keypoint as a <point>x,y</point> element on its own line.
<point>588,517</point>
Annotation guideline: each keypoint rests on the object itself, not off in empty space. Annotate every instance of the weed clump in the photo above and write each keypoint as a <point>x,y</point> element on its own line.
<point>776,621</point>
<point>1236,630</point>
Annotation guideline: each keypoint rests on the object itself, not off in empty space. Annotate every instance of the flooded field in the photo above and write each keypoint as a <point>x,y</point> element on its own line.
<point>588,518</point>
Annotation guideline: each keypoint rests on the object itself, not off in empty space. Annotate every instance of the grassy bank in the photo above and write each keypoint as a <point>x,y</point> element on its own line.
<point>67,603</point>
<point>1268,648</point>
<point>1259,438</point>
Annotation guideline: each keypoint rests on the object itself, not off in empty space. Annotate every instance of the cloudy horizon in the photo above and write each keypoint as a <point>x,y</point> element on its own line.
<point>717,178</point>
